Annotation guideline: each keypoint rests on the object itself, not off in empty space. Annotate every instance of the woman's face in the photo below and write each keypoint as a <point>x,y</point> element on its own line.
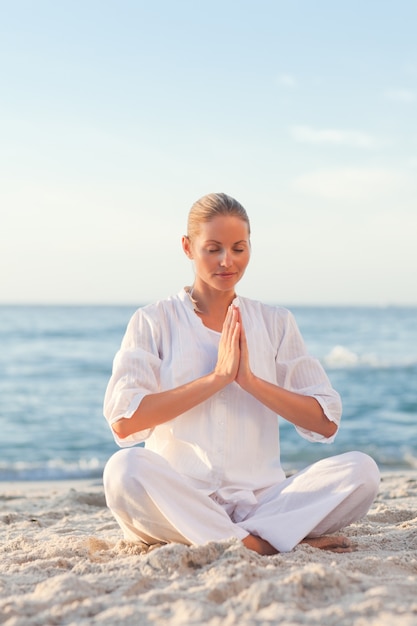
<point>220,252</point>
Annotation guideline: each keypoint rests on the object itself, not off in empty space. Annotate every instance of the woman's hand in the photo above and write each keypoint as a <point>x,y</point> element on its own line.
<point>233,354</point>
<point>244,373</point>
<point>228,357</point>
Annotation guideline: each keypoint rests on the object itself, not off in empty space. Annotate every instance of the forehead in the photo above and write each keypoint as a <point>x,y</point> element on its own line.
<point>225,227</point>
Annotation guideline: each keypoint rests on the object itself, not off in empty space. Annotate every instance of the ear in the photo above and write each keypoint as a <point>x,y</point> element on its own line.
<point>186,246</point>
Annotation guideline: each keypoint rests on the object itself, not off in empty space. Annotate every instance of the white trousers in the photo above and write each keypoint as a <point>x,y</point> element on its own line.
<point>154,504</point>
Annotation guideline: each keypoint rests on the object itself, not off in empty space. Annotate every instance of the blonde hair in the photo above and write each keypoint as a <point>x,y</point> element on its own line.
<point>210,206</point>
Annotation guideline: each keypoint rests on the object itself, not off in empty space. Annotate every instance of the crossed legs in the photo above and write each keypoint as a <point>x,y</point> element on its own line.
<point>153,503</point>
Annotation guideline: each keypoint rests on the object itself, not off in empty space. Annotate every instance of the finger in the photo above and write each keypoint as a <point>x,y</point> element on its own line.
<point>230,320</point>
<point>236,334</point>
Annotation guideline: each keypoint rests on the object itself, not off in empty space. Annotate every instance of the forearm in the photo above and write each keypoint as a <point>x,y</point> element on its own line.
<point>303,411</point>
<point>158,408</point>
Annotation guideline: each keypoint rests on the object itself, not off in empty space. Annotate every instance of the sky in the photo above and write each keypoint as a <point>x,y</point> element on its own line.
<point>115,116</point>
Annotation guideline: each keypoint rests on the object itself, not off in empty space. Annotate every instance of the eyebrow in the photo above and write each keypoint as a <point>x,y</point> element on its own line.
<point>219,243</point>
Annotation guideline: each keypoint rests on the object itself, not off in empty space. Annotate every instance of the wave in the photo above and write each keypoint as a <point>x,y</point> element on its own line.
<point>294,456</point>
<point>341,357</point>
<point>54,469</point>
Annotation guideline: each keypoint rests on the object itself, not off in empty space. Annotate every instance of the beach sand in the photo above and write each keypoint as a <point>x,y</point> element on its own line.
<point>63,561</point>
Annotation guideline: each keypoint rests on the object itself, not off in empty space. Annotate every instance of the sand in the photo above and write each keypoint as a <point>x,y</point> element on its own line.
<point>63,562</point>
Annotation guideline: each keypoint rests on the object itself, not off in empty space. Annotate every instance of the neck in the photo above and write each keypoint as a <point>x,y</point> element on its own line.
<point>209,301</point>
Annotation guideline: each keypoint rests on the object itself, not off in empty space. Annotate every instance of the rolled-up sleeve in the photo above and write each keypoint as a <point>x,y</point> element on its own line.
<point>300,372</point>
<point>135,374</point>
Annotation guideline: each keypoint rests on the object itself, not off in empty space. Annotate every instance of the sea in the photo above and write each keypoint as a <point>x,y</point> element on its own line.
<point>55,362</point>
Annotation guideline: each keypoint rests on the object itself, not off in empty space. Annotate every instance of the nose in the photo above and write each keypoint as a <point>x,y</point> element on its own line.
<point>226,259</point>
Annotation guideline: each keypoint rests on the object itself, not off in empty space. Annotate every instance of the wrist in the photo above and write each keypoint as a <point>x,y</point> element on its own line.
<point>248,382</point>
<point>218,380</point>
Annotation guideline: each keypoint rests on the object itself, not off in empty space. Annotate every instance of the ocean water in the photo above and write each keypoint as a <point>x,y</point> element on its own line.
<point>55,362</point>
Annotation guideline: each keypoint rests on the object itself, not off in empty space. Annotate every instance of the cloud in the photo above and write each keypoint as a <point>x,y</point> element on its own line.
<point>401,95</point>
<point>287,80</point>
<point>333,136</point>
<point>351,183</point>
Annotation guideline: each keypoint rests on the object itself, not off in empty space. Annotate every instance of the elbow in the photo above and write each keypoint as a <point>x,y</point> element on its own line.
<point>326,427</point>
<point>120,428</point>
<point>330,429</point>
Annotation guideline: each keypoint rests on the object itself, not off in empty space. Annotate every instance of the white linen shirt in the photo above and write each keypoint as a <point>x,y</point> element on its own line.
<point>227,445</point>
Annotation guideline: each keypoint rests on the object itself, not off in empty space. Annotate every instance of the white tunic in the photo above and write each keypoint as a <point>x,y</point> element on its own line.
<point>229,444</point>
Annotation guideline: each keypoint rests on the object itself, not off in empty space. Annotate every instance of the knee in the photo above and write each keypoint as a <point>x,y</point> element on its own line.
<point>119,472</point>
<point>114,467</point>
<point>366,472</point>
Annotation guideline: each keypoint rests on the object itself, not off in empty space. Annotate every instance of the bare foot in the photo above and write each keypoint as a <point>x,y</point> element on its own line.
<point>335,543</point>
<point>259,545</point>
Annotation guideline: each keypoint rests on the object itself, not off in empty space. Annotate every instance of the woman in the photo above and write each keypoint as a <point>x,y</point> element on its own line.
<point>201,378</point>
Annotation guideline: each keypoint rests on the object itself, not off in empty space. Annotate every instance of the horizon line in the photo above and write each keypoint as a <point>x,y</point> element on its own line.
<point>138,304</point>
